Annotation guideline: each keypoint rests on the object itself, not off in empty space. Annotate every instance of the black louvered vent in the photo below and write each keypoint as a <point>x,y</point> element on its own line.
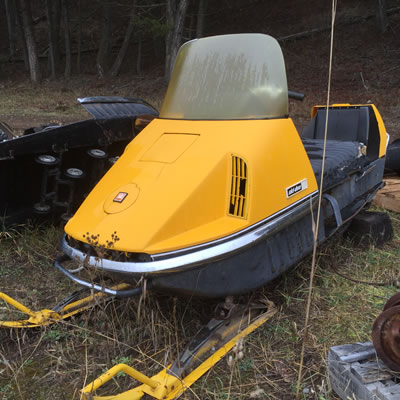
<point>238,197</point>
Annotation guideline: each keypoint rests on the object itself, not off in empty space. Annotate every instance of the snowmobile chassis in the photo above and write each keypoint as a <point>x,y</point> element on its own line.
<point>68,307</point>
<point>209,346</point>
<point>226,331</point>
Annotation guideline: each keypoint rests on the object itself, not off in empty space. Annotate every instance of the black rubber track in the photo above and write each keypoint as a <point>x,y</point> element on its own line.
<point>392,162</point>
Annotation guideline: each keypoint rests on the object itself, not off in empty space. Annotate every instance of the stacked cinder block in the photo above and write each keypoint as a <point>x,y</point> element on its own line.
<point>356,373</point>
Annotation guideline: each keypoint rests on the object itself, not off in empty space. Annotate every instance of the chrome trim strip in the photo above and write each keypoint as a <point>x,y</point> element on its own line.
<point>243,232</point>
<point>190,257</point>
<point>113,292</point>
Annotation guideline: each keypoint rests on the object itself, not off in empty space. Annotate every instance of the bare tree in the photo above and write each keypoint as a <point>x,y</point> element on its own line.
<point>102,61</point>
<point>12,26</point>
<point>67,38</point>
<point>79,39</point>
<point>171,6</point>
<point>200,18</point>
<point>34,66</point>
<point>176,13</point>
<point>139,55</point>
<point>381,15</point>
<point>127,38</point>
<point>22,35</point>
<point>53,15</point>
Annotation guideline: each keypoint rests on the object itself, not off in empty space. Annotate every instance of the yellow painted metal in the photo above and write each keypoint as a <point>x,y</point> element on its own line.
<point>211,361</point>
<point>169,147</point>
<point>170,387</point>
<point>184,198</point>
<point>382,132</point>
<point>132,372</point>
<point>46,317</point>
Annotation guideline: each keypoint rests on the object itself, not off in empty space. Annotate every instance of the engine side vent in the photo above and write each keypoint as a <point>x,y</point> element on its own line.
<point>239,188</point>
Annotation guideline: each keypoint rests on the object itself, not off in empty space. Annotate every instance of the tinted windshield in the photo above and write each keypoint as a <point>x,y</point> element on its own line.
<point>228,77</point>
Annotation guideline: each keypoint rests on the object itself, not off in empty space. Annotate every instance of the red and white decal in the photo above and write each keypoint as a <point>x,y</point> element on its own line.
<point>120,197</point>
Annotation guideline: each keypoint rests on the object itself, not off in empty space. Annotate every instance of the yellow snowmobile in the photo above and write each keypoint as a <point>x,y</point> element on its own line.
<point>214,196</point>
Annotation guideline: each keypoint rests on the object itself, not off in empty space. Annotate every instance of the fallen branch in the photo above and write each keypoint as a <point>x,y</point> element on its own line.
<point>362,80</point>
<point>391,69</point>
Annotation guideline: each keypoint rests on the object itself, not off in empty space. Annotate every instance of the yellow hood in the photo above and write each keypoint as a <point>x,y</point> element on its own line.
<point>176,182</point>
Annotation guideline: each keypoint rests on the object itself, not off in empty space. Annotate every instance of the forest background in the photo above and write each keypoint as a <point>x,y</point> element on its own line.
<point>128,47</point>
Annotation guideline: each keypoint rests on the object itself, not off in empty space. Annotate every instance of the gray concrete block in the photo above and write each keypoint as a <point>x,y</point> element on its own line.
<point>355,372</point>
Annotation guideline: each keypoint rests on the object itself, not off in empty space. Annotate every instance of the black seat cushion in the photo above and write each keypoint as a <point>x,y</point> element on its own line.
<point>341,159</point>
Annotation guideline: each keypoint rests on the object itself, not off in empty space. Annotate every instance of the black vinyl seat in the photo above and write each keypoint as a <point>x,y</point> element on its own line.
<point>347,124</point>
<point>341,159</point>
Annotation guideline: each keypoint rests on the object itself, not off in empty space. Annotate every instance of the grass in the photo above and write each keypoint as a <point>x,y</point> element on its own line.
<point>55,362</point>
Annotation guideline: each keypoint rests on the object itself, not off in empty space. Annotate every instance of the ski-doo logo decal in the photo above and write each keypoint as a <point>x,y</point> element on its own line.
<point>296,188</point>
<point>120,197</point>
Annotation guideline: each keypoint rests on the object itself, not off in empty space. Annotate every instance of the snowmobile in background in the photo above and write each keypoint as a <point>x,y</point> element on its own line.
<point>48,170</point>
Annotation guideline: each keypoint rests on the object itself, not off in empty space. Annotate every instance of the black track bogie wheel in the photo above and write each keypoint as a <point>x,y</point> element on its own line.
<point>65,217</point>
<point>386,337</point>
<point>113,160</point>
<point>74,173</point>
<point>41,208</point>
<point>46,159</point>
<point>370,228</point>
<point>392,302</point>
<point>97,153</point>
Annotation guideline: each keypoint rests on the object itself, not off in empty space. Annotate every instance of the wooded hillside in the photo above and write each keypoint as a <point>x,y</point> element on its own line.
<point>67,37</point>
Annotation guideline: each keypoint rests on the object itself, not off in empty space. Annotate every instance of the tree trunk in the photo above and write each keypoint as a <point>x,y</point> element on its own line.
<point>78,56</point>
<point>57,10</point>
<point>139,55</point>
<point>381,15</point>
<point>34,66</point>
<point>191,30</point>
<point>102,61</point>
<point>67,37</point>
<point>52,33</point>
<point>171,7</point>
<point>200,18</point>
<point>125,44</point>
<point>22,34</point>
<point>174,37</point>
<point>12,27</point>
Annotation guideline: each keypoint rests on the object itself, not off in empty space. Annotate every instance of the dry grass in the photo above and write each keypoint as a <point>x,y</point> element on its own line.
<point>55,362</point>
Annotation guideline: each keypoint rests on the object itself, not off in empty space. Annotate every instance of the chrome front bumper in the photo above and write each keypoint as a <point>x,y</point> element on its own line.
<point>190,257</point>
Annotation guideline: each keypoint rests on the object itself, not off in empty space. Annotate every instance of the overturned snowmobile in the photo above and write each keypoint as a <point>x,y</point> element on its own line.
<point>214,197</point>
<point>48,170</point>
